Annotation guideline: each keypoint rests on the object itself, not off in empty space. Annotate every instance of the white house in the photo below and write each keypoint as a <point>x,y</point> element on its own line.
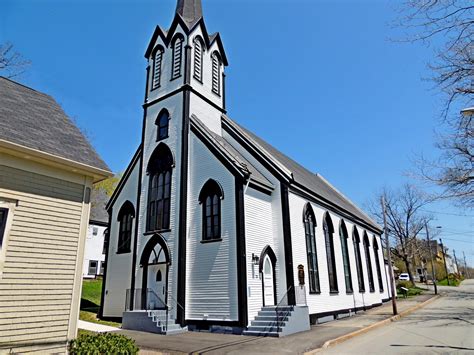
<point>215,225</point>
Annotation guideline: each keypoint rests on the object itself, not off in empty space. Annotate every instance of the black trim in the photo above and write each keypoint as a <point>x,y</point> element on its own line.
<point>241,253</point>
<point>206,324</point>
<point>267,250</point>
<point>314,316</point>
<point>151,232</point>
<point>223,91</point>
<point>104,278</point>
<point>98,223</point>
<point>261,188</point>
<point>285,208</point>
<point>207,241</point>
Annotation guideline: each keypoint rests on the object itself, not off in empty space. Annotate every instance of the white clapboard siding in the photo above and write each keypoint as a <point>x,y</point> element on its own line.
<point>37,276</point>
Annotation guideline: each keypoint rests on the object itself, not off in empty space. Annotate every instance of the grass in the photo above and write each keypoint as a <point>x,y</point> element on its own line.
<point>412,291</point>
<point>90,301</point>
<point>452,282</point>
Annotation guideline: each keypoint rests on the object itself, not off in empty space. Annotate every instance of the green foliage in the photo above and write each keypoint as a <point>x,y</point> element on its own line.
<point>453,281</point>
<point>108,185</point>
<point>102,343</point>
<point>406,284</point>
<point>92,290</point>
<point>412,290</point>
<point>90,301</point>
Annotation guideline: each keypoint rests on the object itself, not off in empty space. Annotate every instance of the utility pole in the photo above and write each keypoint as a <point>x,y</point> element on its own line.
<point>465,266</point>
<point>456,262</point>
<point>389,256</point>
<point>433,272</point>
<point>444,258</point>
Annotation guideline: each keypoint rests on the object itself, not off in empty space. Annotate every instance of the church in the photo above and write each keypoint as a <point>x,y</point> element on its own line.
<point>212,228</point>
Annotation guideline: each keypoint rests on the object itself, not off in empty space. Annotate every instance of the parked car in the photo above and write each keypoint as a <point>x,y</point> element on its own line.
<point>404,277</point>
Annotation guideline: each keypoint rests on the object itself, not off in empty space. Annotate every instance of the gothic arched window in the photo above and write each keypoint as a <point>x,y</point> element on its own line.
<point>216,73</point>
<point>162,123</point>
<point>159,190</point>
<point>309,228</point>
<point>345,256</point>
<point>157,62</point>
<point>177,56</point>
<point>377,263</point>
<point>198,53</point>
<point>125,218</point>
<point>360,272</point>
<point>369,262</point>
<point>210,198</point>
<point>328,238</point>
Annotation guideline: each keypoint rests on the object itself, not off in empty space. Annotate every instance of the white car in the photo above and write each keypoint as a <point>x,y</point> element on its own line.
<point>404,277</point>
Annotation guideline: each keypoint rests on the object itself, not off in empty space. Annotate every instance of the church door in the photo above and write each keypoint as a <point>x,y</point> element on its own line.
<point>268,284</point>
<point>157,284</point>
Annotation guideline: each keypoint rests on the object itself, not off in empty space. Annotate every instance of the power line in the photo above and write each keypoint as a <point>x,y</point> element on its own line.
<point>447,213</point>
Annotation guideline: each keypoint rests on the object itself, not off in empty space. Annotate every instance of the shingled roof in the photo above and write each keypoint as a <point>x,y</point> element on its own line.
<point>35,120</point>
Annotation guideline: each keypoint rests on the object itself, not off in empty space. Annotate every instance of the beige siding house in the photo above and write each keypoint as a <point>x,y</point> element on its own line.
<point>47,168</point>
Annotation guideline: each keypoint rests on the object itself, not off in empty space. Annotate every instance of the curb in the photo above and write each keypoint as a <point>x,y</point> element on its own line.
<point>355,333</point>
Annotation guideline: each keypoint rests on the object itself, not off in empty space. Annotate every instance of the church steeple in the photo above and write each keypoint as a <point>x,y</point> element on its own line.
<point>190,11</point>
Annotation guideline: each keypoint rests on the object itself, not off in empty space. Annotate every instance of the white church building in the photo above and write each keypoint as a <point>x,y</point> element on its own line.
<point>213,228</point>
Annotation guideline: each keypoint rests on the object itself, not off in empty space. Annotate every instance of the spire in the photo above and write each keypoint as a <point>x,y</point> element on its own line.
<point>189,10</point>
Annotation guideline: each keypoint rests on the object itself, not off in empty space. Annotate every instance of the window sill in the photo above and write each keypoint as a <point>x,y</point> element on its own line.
<point>211,241</point>
<point>315,293</point>
<point>123,252</point>
<point>162,139</point>
<point>176,77</point>
<point>157,231</point>
<point>349,292</point>
<point>333,292</point>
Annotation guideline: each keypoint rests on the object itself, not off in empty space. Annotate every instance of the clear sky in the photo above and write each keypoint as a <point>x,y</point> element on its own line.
<point>320,80</point>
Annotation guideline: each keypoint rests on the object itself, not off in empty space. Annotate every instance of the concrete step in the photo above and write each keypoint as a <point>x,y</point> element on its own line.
<point>261,334</point>
<point>266,323</point>
<point>264,329</point>
<point>274,313</point>
<point>280,308</point>
<point>271,318</point>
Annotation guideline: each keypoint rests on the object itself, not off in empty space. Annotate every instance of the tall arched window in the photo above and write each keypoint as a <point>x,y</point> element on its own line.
<point>157,62</point>
<point>216,73</point>
<point>159,190</point>
<point>377,263</point>
<point>125,218</point>
<point>198,52</point>
<point>369,262</point>
<point>162,123</point>
<point>360,272</point>
<point>328,238</point>
<point>210,198</point>
<point>309,228</point>
<point>177,56</point>
<point>345,256</point>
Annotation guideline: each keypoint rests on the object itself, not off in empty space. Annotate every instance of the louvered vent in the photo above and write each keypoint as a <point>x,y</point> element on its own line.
<point>177,55</point>
<point>157,69</point>
<point>216,74</point>
<point>198,59</point>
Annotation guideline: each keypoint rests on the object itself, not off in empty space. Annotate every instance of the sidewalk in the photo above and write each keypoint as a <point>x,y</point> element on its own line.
<point>94,327</point>
<point>212,343</point>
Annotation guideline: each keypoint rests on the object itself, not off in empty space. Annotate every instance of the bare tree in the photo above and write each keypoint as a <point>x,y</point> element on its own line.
<point>12,63</point>
<point>405,221</point>
<point>448,25</point>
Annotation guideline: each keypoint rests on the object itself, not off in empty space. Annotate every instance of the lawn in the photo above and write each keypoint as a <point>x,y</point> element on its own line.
<point>90,301</point>
<point>452,282</point>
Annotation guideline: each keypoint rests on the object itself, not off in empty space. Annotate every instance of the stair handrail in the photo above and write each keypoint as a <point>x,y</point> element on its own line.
<point>279,306</point>
<point>168,307</point>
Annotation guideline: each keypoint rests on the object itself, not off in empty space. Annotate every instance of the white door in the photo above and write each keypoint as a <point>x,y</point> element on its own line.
<point>268,290</point>
<point>157,283</point>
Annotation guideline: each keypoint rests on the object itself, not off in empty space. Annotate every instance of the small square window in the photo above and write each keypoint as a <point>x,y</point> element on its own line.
<point>95,230</point>
<point>92,267</point>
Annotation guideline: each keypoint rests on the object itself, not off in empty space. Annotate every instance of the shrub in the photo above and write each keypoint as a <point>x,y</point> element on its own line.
<point>102,343</point>
<point>406,284</point>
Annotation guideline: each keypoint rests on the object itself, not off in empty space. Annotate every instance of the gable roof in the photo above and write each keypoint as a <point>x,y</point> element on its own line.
<point>301,176</point>
<point>35,120</point>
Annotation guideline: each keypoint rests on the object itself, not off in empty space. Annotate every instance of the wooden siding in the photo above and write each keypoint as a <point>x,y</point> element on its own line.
<point>37,278</point>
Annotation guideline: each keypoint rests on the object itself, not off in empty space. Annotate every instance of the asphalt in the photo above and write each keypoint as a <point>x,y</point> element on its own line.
<point>212,343</point>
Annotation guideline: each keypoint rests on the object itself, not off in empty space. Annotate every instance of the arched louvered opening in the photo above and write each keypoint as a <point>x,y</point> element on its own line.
<point>216,73</point>
<point>125,218</point>
<point>157,63</point>
<point>162,123</point>
<point>377,263</point>
<point>177,56</point>
<point>309,221</point>
<point>360,272</point>
<point>198,55</point>
<point>159,190</point>
<point>369,262</point>
<point>345,256</point>
<point>328,229</point>
<point>210,198</point>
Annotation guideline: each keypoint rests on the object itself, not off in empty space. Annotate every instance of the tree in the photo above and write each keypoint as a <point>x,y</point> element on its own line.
<point>451,23</point>
<point>12,63</point>
<point>405,221</point>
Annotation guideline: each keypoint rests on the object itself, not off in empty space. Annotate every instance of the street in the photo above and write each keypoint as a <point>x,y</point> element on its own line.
<point>443,326</point>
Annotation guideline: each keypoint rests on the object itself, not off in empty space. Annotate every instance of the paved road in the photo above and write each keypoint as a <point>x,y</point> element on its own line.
<point>444,326</point>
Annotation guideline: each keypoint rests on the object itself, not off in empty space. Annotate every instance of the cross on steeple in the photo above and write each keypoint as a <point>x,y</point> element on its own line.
<point>190,11</point>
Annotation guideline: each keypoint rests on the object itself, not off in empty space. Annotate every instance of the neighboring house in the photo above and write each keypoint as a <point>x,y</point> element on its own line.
<point>213,223</point>
<point>47,168</point>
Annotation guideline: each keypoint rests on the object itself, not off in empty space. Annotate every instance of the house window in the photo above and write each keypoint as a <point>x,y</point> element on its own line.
<point>92,267</point>
<point>3,223</point>
<point>377,264</point>
<point>309,227</point>
<point>125,218</point>
<point>345,257</point>
<point>157,62</point>
<point>102,267</point>
<point>360,273</point>
<point>177,56</point>
<point>328,237</point>
<point>210,198</point>
<point>216,73</point>
<point>369,263</point>
<point>162,123</point>
<point>198,51</point>
<point>95,230</point>
<point>159,188</point>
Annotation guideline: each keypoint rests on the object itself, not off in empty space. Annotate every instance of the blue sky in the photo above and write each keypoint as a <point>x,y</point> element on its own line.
<point>320,80</point>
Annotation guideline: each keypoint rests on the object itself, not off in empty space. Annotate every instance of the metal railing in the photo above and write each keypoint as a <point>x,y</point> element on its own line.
<point>300,298</point>
<point>144,299</point>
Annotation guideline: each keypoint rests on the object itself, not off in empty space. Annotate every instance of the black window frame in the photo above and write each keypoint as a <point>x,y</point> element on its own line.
<point>198,58</point>
<point>216,73</point>
<point>358,259</point>
<point>162,125</point>
<point>3,224</point>
<point>375,246</point>
<point>210,198</point>
<point>125,218</point>
<point>177,63</point>
<point>343,236</point>
<point>95,268</point>
<point>328,230</point>
<point>368,261</point>
<point>309,222</point>
<point>157,66</point>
